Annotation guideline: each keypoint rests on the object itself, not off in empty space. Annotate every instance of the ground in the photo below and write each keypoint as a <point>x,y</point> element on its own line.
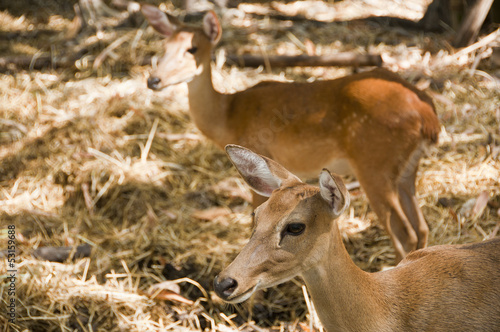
<point>91,156</point>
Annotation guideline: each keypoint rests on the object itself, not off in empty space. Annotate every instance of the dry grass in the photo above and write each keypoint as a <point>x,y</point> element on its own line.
<point>95,157</point>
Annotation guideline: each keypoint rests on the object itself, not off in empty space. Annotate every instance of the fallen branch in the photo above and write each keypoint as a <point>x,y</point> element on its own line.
<point>481,43</point>
<point>109,50</point>
<point>61,254</point>
<point>39,62</point>
<point>340,59</point>
<point>472,23</point>
<point>247,60</point>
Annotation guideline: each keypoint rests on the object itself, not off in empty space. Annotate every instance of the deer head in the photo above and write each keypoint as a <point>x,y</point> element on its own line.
<point>187,49</point>
<point>292,228</point>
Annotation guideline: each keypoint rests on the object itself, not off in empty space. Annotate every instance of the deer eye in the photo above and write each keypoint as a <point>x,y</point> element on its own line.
<point>192,50</point>
<point>295,229</point>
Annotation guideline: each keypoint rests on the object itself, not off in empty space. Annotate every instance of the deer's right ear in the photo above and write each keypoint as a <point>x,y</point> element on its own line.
<point>159,20</point>
<point>262,174</point>
<point>254,170</point>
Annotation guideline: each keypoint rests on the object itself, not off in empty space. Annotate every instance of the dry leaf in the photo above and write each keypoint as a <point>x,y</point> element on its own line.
<point>168,291</point>
<point>466,209</point>
<point>230,188</point>
<point>304,327</point>
<point>21,239</point>
<point>212,213</point>
<point>170,215</point>
<point>310,47</point>
<point>169,285</point>
<point>453,215</point>
<point>481,203</point>
<point>496,229</point>
<point>447,201</point>
<point>168,295</point>
<point>69,241</point>
<point>495,151</point>
<point>180,137</point>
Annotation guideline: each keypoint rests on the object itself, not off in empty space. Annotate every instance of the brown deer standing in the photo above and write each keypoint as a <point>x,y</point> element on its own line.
<point>374,124</point>
<point>441,288</point>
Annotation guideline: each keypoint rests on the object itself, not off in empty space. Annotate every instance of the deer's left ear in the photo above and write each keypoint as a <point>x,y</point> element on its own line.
<point>161,22</point>
<point>333,191</point>
<point>211,27</point>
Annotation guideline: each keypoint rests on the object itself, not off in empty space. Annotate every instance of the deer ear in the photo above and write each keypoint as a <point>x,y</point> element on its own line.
<point>161,22</point>
<point>334,192</point>
<point>211,27</point>
<point>262,174</point>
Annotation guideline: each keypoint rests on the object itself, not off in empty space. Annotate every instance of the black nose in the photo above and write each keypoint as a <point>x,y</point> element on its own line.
<point>153,82</point>
<point>225,287</point>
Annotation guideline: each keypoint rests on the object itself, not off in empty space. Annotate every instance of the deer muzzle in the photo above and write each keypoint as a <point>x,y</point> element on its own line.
<point>154,83</point>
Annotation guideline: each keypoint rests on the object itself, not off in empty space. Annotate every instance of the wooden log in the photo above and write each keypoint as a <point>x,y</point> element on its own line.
<point>472,23</point>
<point>38,62</point>
<point>247,60</point>
<point>61,254</point>
<point>25,61</point>
<point>276,61</point>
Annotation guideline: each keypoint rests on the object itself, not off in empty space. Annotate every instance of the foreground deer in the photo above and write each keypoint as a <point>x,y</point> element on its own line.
<point>442,288</point>
<point>374,124</point>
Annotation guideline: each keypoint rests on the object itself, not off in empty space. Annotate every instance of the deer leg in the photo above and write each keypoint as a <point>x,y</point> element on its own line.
<point>385,202</point>
<point>411,208</point>
<point>401,228</point>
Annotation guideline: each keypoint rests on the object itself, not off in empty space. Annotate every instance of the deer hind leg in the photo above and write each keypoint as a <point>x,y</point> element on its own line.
<point>409,202</point>
<point>384,199</point>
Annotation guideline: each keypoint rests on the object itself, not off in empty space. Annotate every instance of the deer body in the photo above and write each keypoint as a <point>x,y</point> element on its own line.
<point>343,125</point>
<point>442,288</point>
<point>363,124</point>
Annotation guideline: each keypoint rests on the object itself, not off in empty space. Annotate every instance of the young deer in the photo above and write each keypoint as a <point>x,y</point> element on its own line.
<point>374,125</point>
<point>442,288</point>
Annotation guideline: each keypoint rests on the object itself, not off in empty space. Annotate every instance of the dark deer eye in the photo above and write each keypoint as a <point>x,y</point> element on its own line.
<point>193,50</point>
<point>295,229</point>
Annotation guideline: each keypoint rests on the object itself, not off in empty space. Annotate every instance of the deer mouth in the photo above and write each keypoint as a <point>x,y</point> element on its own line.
<point>238,298</point>
<point>162,86</point>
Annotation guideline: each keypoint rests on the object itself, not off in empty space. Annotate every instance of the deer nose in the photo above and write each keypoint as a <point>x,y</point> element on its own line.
<point>225,287</point>
<point>153,82</point>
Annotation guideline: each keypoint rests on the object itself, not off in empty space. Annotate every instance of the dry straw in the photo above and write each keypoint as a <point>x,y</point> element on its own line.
<point>93,156</point>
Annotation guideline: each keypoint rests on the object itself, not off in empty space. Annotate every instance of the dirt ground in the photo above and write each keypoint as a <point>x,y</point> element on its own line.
<point>90,156</point>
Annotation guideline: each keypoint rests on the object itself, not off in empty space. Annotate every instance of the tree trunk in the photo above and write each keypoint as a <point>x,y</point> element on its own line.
<point>472,23</point>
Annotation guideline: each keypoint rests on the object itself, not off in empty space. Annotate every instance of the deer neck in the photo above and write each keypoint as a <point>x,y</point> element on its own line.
<point>208,107</point>
<point>345,297</point>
